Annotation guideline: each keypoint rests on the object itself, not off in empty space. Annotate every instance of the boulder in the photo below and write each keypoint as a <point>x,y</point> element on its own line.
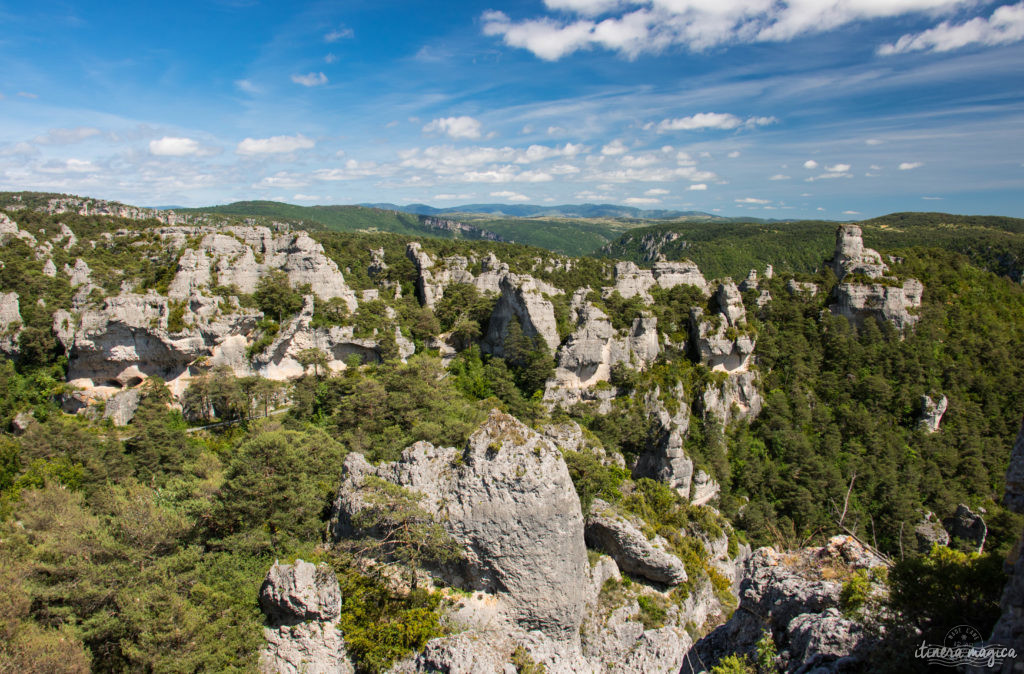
<point>22,421</point>
<point>121,406</point>
<point>788,594</point>
<point>302,604</point>
<point>508,501</point>
<point>929,532</point>
<point>622,539</point>
<point>967,526</point>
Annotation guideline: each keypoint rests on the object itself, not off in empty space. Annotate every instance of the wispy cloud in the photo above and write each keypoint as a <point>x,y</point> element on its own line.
<point>651,26</point>
<point>910,165</point>
<point>1004,26</point>
<point>310,79</point>
<point>510,196</point>
<point>339,34</point>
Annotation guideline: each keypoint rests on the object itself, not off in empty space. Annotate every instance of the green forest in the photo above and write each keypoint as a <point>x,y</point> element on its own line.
<point>143,548</point>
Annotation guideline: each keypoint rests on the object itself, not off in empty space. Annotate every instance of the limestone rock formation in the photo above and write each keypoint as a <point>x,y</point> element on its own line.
<point>788,594</point>
<point>594,347</point>
<point>703,489</point>
<point>665,460</point>
<point>931,412</point>
<point>240,256</point>
<point>968,526</point>
<point>302,604</point>
<point>507,500</point>
<point>631,281</point>
<point>121,406</point>
<point>10,323</point>
<point>800,287</point>
<point>622,539</point>
<point>722,341</point>
<point>886,299</point>
<point>736,397</point>
<point>78,275</point>
<point>892,303</point>
<point>929,532</point>
<point>851,257</point>
<point>521,299</point>
<point>49,268</point>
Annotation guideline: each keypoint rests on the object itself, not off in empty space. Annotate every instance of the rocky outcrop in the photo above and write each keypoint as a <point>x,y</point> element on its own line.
<point>851,257</point>
<point>886,299</point>
<point>736,397</point>
<point>10,323</point>
<point>703,489</point>
<point>432,276</point>
<point>968,526</point>
<point>723,341</point>
<point>121,406</point>
<point>802,288</point>
<point>929,533</point>
<point>665,460</point>
<point>789,595</point>
<point>931,413</point>
<point>78,275</point>
<point>302,604</point>
<point>893,303</point>
<point>594,347</point>
<point>521,300</point>
<point>127,340</point>
<point>507,500</point>
<point>240,256</point>
<point>631,281</point>
<point>609,531</point>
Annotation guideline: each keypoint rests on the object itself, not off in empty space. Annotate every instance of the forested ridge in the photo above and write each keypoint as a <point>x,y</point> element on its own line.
<point>143,547</point>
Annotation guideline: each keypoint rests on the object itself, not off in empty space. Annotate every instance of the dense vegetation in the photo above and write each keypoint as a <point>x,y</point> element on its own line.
<point>143,548</point>
<point>734,248</point>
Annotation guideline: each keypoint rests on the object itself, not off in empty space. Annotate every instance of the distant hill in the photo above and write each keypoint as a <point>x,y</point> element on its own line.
<point>733,248</point>
<point>562,211</point>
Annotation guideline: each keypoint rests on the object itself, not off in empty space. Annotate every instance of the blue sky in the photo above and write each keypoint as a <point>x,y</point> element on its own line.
<point>838,109</point>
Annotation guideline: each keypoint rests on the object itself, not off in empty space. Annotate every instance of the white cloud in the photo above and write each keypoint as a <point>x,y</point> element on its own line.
<point>563,169</point>
<point>274,145</point>
<point>779,176</point>
<point>874,141</point>
<point>556,131</point>
<point>709,120</point>
<point>330,58</point>
<point>810,164</point>
<point>733,154</point>
<point>455,127</point>
<point>451,197</point>
<point>752,200</point>
<point>698,187</point>
<point>70,166</point>
<point>638,161</point>
<point>310,79</point>
<point>656,192</point>
<point>305,197</point>
<point>851,212</point>
<point>910,165</point>
<point>169,146</point>
<point>339,34</point>
<point>641,201</point>
<point>510,196</point>
<point>1005,26</point>
<point>838,168</point>
<point>614,148</point>
<point>634,27</point>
